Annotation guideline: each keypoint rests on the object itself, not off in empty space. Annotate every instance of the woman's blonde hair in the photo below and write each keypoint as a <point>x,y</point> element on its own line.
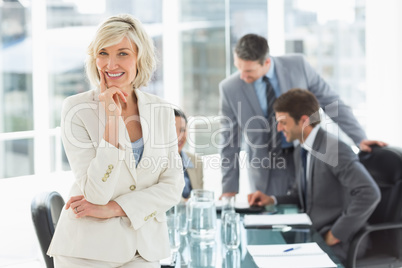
<point>110,33</point>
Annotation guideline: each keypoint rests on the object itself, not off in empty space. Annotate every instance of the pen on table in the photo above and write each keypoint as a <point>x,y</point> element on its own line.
<point>291,249</point>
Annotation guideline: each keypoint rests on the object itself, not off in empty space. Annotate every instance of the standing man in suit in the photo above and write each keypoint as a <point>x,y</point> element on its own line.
<point>192,164</point>
<point>331,186</point>
<point>246,107</point>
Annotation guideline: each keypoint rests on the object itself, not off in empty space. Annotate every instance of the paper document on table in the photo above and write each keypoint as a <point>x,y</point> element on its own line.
<point>285,249</point>
<point>278,219</point>
<point>317,261</point>
<point>290,255</point>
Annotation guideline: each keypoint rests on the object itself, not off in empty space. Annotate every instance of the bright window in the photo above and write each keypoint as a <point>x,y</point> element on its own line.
<point>44,45</point>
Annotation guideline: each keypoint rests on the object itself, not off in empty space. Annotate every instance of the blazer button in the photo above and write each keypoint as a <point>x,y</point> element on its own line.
<point>110,166</point>
<point>108,171</point>
<point>146,218</point>
<point>104,179</point>
<point>132,187</point>
<point>106,175</point>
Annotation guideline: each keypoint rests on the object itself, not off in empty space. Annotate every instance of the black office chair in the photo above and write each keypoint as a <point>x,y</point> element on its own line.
<point>46,208</point>
<point>385,224</point>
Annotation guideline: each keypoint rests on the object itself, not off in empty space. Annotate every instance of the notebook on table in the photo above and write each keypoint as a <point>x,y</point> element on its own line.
<point>300,219</point>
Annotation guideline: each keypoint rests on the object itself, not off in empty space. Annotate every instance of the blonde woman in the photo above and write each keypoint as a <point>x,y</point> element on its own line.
<point>122,148</point>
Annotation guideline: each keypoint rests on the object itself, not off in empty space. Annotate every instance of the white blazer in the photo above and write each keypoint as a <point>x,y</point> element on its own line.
<point>103,173</point>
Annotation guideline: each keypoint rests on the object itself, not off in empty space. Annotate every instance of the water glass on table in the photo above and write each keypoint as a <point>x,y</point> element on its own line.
<point>183,221</point>
<point>173,219</point>
<point>232,259</point>
<point>231,230</point>
<point>202,253</point>
<point>228,205</point>
<point>202,214</point>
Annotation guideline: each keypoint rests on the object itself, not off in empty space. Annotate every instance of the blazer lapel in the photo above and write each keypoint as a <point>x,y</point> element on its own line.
<point>145,117</point>
<point>313,160</point>
<point>100,113</point>
<point>299,175</point>
<point>310,182</point>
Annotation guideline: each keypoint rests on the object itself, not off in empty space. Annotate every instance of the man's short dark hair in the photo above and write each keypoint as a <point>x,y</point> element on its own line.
<point>178,113</point>
<point>298,102</point>
<point>252,47</point>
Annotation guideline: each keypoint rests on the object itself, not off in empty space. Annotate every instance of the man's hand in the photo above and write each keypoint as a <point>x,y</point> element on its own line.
<point>365,145</point>
<point>330,239</point>
<point>259,199</point>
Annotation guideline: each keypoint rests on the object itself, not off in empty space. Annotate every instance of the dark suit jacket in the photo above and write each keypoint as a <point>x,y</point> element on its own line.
<point>341,194</point>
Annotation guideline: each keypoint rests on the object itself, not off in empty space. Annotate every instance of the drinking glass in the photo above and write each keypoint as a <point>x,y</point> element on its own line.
<point>232,259</point>
<point>184,251</point>
<point>183,222</point>
<point>203,254</point>
<point>202,218</point>
<point>173,228</point>
<point>228,205</point>
<point>231,230</point>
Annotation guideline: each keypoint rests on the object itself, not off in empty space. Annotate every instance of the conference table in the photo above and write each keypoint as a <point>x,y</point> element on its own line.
<point>194,253</point>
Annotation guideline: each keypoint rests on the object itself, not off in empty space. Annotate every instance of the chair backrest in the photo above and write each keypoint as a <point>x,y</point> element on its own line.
<point>385,166</point>
<point>46,208</point>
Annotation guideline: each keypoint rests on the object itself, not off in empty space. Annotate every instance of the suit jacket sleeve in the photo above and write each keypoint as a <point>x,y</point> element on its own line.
<point>230,147</point>
<point>333,106</point>
<point>89,161</point>
<point>362,194</point>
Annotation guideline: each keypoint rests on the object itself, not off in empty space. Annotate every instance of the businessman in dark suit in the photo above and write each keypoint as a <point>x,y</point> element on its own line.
<point>331,185</point>
<point>247,121</point>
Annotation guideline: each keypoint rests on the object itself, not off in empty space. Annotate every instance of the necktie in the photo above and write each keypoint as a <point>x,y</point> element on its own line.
<point>304,177</point>
<point>274,138</point>
<point>187,186</point>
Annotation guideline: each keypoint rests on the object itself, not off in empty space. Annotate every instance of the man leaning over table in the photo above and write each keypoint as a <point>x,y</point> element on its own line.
<point>338,194</point>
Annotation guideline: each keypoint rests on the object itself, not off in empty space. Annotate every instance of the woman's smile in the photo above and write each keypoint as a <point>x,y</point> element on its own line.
<point>114,75</point>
